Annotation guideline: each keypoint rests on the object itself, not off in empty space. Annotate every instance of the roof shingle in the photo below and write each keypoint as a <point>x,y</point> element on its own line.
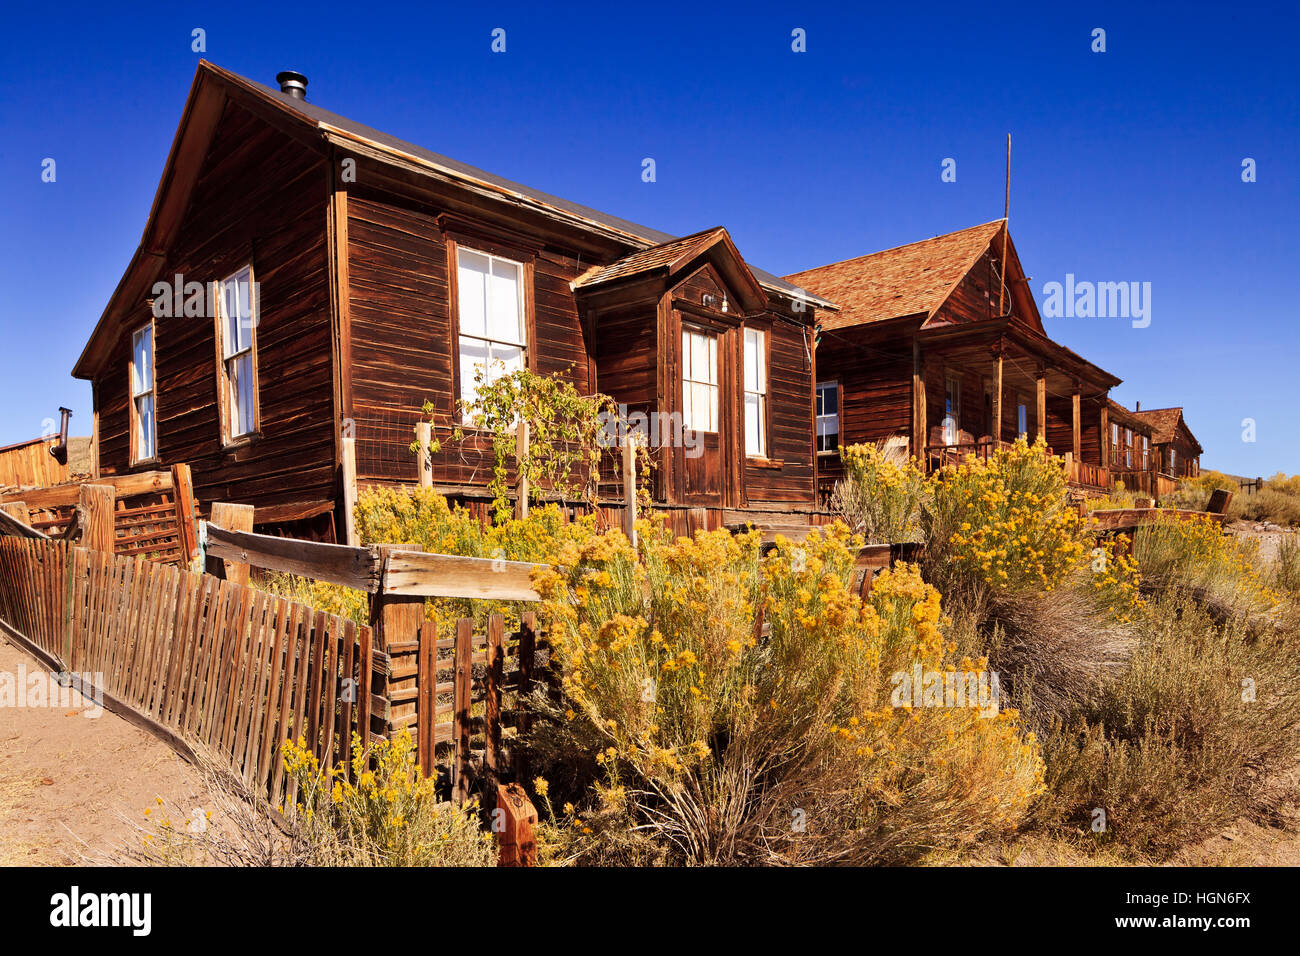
<point>906,280</point>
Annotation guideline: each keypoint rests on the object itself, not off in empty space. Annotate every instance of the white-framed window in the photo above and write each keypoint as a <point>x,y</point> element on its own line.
<point>699,381</point>
<point>755,393</point>
<point>1022,416</point>
<point>1146,453</point>
<point>1173,461</point>
<point>1114,444</point>
<point>1128,448</point>
<point>951,410</point>
<point>237,310</point>
<point>493,327</point>
<point>144,435</point>
<point>828,416</point>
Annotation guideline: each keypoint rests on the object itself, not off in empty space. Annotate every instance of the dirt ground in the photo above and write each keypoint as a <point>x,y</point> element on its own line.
<point>73,787</point>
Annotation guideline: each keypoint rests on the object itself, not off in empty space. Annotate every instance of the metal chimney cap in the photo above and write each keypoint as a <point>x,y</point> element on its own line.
<point>295,84</point>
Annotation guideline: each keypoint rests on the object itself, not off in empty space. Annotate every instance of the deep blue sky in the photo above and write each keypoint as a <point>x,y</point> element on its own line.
<point>1126,165</point>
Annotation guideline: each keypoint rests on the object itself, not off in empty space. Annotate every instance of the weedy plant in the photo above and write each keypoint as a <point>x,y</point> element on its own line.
<point>731,742</point>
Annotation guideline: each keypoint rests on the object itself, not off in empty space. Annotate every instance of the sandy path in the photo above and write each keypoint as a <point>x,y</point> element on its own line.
<point>67,778</point>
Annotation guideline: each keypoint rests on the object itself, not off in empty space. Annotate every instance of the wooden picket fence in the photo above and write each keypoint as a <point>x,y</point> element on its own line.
<point>202,662</point>
<point>209,664</point>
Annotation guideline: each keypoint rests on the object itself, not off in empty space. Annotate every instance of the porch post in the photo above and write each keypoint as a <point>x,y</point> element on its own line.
<point>997,401</point>
<point>919,427</point>
<point>1042,402</point>
<point>1104,444</point>
<point>1078,435</point>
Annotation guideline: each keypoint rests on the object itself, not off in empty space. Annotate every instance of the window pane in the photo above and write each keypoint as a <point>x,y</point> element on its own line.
<point>753,360</point>
<point>753,425</point>
<point>145,426</point>
<point>504,319</point>
<point>830,399</point>
<point>471,289</point>
<point>713,359</point>
<point>142,361</point>
<point>473,356</point>
<point>242,395</point>
<point>699,358</point>
<point>505,359</point>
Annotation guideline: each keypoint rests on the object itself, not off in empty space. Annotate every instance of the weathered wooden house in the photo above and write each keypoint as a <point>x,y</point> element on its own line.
<point>1174,449</point>
<point>939,345</point>
<point>302,277</point>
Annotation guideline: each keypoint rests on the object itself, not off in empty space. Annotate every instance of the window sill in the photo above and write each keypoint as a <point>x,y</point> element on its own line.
<point>243,441</point>
<point>147,462</point>
<point>753,461</point>
<point>828,453</point>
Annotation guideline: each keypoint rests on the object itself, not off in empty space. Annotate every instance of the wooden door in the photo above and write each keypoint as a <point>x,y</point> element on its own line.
<point>702,452</point>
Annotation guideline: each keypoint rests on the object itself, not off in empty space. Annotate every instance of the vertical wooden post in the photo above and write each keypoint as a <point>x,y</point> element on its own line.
<point>521,478</point>
<point>464,673</point>
<point>1104,443</point>
<point>495,674</point>
<point>395,621</point>
<point>516,838</point>
<point>527,663</point>
<point>427,695</point>
<point>997,402</point>
<point>629,488</point>
<point>1041,411</point>
<point>95,515</point>
<point>349,467</point>
<point>424,435</point>
<point>920,429</point>
<point>1076,400</point>
<point>232,517</point>
<point>183,489</point>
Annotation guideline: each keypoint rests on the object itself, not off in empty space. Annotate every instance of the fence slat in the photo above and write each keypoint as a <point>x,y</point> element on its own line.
<point>461,715</point>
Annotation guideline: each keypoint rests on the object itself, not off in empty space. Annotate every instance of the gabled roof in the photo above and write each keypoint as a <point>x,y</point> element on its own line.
<point>1126,417</point>
<point>914,279</point>
<point>672,258</point>
<point>201,113</point>
<point>1164,424</point>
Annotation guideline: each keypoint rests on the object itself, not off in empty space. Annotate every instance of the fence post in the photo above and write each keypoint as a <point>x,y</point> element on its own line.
<point>527,662</point>
<point>517,818</point>
<point>95,516</point>
<point>424,435</point>
<point>183,489</point>
<point>395,620</point>
<point>232,517</point>
<point>496,653</point>
<point>464,672</point>
<point>426,706</point>
<point>629,488</point>
<point>349,468</point>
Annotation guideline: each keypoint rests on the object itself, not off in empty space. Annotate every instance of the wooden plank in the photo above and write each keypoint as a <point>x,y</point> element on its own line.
<point>66,496</point>
<point>349,469</point>
<point>183,488</point>
<point>629,488</point>
<point>269,745</point>
<point>517,839</point>
<point>493,679</point>
<point>426,682</point>
<point>335,563</point>
<point>233,519</point>
<point>460,720</point>
<point>1126,519</point>
<point>446,575</point>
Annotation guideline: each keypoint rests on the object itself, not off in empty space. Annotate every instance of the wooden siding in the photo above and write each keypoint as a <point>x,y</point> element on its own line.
<point>262,197</point>
<point>403,339</point>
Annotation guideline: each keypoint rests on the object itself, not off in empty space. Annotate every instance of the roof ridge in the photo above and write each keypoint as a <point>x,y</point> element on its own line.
<point>880,252</point>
